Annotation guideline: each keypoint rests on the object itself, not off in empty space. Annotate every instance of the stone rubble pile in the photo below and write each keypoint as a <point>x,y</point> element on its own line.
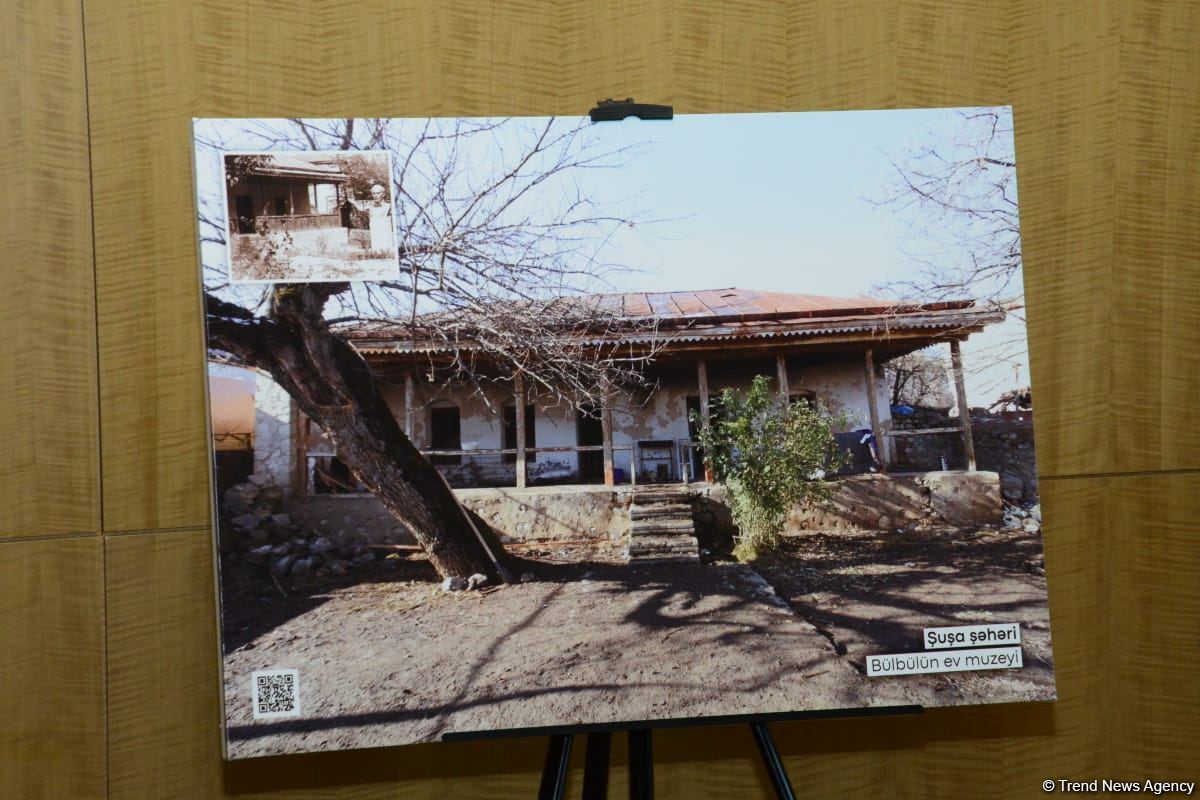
<point>255,531</point>
<point>1030,519</point>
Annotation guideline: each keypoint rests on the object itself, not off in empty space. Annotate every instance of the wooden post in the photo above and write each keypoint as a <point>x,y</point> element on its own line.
<point>409,400</point>
<point>300,474</point>
<point>705,419</point>
<point>781,376</point>
<point>519,400</point>
<point>964,411</point>
<point>606,429</point>
<point>873,405</point>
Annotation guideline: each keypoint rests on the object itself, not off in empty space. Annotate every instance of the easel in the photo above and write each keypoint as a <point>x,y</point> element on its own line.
<point>641,765</point>
<point>641,751</point>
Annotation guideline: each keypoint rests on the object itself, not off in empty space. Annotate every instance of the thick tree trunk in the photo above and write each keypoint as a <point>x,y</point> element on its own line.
<point>331,384</point>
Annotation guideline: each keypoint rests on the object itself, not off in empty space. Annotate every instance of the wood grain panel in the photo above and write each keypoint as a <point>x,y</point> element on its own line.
<point>52,672</point>
<point>50,470</point>
<point>952,53</point>
<point>728,56</point>
<point>619,49</point>
<point>360,58</point>
<point>1063,78</point>
<point>842,55</point>
<point>1155,288</point>
<point>147,302</point>
<point>163,715</point>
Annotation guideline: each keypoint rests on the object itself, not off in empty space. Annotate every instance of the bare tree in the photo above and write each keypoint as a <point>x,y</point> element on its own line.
<point>959,194</point>
<point>497,264</point>
<point>918,379</point>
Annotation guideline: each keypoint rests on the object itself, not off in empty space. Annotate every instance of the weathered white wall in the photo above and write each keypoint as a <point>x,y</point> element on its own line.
<point>662,416</point>
<point>274,451</point>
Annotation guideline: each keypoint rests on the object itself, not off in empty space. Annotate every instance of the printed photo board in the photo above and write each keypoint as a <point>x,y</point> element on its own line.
<point>540,423</point>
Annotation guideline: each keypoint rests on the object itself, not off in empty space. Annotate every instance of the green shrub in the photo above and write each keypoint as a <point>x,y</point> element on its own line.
<point>771,455</point>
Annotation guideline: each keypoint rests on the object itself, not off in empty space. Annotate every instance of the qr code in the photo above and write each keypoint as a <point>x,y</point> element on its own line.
<point>275,693</point>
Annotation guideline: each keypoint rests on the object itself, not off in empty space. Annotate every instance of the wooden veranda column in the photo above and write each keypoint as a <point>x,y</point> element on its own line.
<point>409,400</point>
<point>606,429</point>
<point>705,419</point>
<point>873,406</point>
<point>781,376</point>
<point>519,402</point>
<point>702,383</point>
<point>964,410</point>
<point>300,468</point>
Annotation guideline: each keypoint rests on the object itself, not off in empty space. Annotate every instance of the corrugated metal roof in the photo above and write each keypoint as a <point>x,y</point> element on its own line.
<point>743,325</point>
<point>732,302</point>
<point>300,165</point>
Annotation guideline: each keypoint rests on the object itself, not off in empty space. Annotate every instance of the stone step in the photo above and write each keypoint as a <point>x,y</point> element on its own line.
<point>641,511</point>
<point>662,528</point>
<point>664,546</point>
<point>642,497</point>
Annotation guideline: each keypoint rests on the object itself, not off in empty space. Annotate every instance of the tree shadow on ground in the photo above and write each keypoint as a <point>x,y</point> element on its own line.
<point>873,592</point>
<point>252,605</point>
<point>671,595</point>
<point>884,585</point>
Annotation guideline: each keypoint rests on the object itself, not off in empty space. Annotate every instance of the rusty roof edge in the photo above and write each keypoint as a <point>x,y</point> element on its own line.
<point>970,319</point>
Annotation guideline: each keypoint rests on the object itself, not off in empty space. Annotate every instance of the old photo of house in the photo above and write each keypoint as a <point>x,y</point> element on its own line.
<point>623,439</point>
<point>298,216</point>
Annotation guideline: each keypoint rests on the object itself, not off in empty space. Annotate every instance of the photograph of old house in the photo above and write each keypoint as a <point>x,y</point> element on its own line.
<point>309,216</point>
<point>623,439</point>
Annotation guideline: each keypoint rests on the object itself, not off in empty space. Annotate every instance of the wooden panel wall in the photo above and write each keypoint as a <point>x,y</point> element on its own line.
<point>108,682</point>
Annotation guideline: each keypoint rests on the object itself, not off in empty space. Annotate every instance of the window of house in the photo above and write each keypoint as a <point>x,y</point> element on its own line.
<point>445,433</point>
<point>804,396</point>
<point>510,433</point>
<point>281,206</point>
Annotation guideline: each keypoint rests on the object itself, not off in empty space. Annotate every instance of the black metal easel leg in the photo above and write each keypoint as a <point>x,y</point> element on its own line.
<point>595,766</point>
<point>641,765</point>
<point>554,773</point>
<point>772,761</point>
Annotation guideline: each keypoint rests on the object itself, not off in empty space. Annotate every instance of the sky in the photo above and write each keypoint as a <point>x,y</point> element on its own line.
<point>762,201</point>
<point>777,202</point>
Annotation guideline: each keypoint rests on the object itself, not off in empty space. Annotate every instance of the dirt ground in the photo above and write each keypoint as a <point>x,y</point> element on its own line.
<point>385,657</point>
<point>870,592</point>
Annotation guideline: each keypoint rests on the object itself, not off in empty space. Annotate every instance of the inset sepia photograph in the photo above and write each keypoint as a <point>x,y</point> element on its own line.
<point>301,216</point>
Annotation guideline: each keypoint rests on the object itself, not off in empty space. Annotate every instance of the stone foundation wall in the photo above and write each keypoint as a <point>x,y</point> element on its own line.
<point>518,514</point>
<point>870,502</point>
<point>1003,444</point>
<point>715,530</point>
<point>529,514</point>
<point>358,518</point>
<point>884,502</point>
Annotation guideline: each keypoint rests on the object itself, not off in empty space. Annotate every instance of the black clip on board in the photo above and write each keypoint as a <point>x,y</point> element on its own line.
<point>615,110</point>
